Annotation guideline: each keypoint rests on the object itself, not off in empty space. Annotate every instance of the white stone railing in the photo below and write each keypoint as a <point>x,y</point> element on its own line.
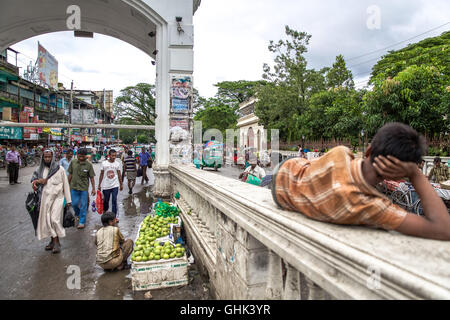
<point>253,250</point>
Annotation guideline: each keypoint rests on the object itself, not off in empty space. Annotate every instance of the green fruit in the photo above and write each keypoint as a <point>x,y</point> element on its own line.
<point>183,250</point>
<point>179,255</point>
<point>178,245</point>
<point>178,250</point>
<point>168,251</point>
<point>157,257</point>
<point>173,255</point>
<point>157,251</point>
<point>166,256</point>
<point>138,259</point>
<point>147,252</point>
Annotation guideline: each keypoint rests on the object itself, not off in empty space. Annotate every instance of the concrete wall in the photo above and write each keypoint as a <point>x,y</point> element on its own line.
<point>253,250</point>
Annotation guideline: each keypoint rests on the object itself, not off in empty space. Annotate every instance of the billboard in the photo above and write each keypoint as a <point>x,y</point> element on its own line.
<point>11,133</point>
<point>48,68</point>
<point>83,116</point>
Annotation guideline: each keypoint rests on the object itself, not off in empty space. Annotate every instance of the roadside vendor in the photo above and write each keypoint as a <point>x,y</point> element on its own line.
<point>439,172</point>
<point>253,169</point>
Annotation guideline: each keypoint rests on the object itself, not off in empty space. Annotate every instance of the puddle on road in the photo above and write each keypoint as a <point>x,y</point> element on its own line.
<point>138,203</point>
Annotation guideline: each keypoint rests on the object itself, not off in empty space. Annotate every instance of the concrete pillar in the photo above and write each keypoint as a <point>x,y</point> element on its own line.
<point>275,280</point>
<point>174,58</point>
<point>292,287</point>
<point>315,292</point>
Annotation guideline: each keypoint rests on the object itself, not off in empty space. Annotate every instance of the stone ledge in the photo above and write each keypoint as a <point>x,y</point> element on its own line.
<point>337,258</point>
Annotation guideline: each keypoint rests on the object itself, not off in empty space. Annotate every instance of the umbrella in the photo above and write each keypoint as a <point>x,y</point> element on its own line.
<point>33,205</point>
<point>209,143</point>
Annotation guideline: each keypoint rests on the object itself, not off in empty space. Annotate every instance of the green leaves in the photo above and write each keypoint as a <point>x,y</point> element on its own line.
<point>137,103</point>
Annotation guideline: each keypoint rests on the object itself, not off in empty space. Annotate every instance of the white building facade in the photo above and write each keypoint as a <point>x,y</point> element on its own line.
<point>251,134</point>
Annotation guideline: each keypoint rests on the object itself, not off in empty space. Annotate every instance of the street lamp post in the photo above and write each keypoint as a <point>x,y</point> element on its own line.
<point>303,142</point>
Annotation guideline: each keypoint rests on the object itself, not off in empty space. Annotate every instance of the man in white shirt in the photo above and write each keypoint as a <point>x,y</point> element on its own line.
<point>112,181</point>
<point>254,170</point>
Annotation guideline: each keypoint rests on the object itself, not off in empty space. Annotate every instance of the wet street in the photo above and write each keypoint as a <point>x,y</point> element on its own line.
<point>30,272</point>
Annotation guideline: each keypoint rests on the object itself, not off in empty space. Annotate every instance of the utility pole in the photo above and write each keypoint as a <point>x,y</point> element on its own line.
<point>70,109</point>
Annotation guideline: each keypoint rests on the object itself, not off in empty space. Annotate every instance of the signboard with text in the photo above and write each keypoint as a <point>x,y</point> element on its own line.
<point>48,67</point>
<point>11,133</point>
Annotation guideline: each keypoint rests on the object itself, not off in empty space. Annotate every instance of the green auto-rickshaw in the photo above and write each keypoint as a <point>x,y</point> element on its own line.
<point>212,155</point>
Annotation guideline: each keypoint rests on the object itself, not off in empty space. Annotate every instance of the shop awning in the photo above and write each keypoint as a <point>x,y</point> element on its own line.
<point>4,103</point>
<point>5,76</point>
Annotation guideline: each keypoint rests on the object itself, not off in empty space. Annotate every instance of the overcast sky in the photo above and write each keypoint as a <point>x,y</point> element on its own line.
<point>231,39</point>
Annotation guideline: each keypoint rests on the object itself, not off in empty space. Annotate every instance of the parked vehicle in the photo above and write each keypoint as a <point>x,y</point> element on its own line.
<point>212,155</point>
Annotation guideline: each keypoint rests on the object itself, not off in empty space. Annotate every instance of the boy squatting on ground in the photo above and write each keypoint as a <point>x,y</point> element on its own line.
<point>112,249</point>
<point>340,189</point>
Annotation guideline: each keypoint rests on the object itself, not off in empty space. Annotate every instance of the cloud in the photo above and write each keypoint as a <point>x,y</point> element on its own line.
<point>231,39</point>
<point>95,64</point>
<point>232,36</point>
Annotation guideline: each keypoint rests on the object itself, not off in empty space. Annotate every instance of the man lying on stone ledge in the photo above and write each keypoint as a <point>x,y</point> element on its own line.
<point>340,189</point>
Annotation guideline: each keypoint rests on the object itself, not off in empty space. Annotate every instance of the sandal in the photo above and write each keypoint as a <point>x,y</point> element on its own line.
<point>56,248</point>
<point>49,246</point>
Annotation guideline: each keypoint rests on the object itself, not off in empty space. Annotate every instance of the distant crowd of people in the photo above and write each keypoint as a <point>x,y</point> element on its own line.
<point>64,184</point>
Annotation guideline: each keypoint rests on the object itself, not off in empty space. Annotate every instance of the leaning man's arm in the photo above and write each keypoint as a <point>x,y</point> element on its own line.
<point>436,223</point>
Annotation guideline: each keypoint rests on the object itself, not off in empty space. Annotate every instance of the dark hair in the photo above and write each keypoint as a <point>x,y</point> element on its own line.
<point>112,151</point>
<point>107,217</point>
<point>130,153</point>
<point>82,152</point>
<point>398,140</point>
<point>437,159</point>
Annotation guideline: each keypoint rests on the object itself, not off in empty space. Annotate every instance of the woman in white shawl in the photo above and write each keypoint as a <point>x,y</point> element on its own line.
<point>50,180</point>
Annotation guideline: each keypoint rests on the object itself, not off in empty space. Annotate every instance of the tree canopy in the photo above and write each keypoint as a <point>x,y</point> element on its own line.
<point>430,52</point>
<point>136,103</point>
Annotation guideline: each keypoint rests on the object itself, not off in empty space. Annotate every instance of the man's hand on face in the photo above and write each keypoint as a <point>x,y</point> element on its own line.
<point>392,168</point>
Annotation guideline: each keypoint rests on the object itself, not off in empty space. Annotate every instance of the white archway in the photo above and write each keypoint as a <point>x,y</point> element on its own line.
<point>150,25</point>
<point>250,138</point>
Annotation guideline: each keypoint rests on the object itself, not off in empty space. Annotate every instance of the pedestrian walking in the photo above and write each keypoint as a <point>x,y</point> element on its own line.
<point>65,162</point>
<point>80,172</point>
<point>51,181</point>
<point>112,181</point>
<point>144,158</point>
<point>130,167</point>
<point>122,158</point>
<point>112,248</point>
<point>14,162</point>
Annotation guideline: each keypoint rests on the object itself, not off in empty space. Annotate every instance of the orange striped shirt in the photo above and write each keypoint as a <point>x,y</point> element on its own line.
<point>332,189</point>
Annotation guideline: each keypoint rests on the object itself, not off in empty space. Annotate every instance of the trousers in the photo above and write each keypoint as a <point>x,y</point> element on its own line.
<point>13,171</point>
<point>79,204</point>
<point>106,195</point>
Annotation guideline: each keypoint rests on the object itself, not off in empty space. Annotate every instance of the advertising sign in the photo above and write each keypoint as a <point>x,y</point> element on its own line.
<point>48,68</point>
<point>32,136</point>
<point>181,87</point>
<point>11,133</point>
<point>29,110</point>
<point>180,105</point>
<point>179,122</point>
<point>23,117</point>
<point>83,116</point>
<point>75,138</point>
